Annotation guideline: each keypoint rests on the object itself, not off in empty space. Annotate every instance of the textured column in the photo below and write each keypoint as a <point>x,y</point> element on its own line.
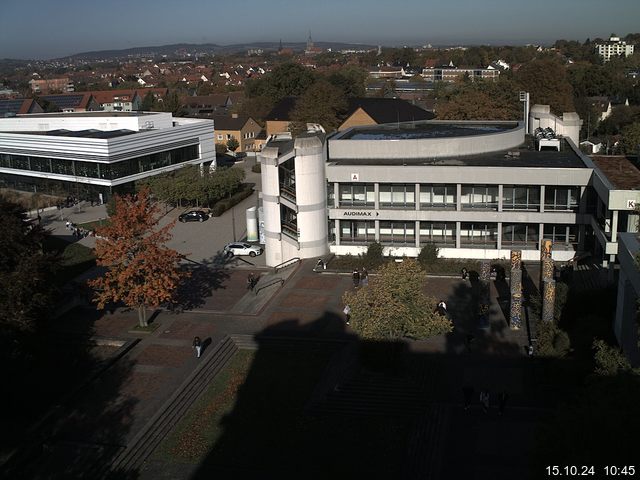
<point>485,270</point>
<point>545,249</point>
<point>545,254</point>
<point>516,259</point>
<point>547,269</point>
<point>516,299</point>
<point>549,300</point>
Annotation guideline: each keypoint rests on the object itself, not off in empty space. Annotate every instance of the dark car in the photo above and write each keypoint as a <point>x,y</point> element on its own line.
<point>193,216</point>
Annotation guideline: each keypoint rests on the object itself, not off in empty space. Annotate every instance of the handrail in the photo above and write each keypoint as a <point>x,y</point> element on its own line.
<point>286,264</point>
<point>273,282</point>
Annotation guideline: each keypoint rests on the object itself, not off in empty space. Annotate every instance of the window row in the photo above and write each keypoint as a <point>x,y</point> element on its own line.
<point>444,234</point>
<point>442,197</point>
<point>107,171</point>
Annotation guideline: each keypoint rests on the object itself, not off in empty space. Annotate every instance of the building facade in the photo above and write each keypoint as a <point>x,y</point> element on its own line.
<point>451,74</point>
<point>96,154</point>
<point>474,189</point>
<point>614,48</point>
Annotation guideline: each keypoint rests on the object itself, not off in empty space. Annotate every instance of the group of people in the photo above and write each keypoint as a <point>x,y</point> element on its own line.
<point>360,277</point>
<point>78,232</point>
<point>484,399</point>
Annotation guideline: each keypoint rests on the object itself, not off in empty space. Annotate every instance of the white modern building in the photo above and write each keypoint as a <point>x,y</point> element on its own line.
<point>614,48</point>
<point>474,189</point>
<point>98,153</point>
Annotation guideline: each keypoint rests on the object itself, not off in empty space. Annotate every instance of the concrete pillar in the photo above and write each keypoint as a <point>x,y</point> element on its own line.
<point>499,232</point>
<point>376,196</point>
<point>542,198</point>
<point>500,196</point>
<point>417,196</point>
<point>336,195</point>
<point>377,228</point>
<point>458,197</point>
<point>515,311</point>
<point>548,300</point>
<point>458,234</point>
<point>417,233</point>
<point>337,230</point>
<point>614,227</point>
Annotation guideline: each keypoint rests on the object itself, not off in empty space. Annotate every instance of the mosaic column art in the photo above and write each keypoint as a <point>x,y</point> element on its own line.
<point>549,300</point>
<point>516,299</point>
<point>516,259</point>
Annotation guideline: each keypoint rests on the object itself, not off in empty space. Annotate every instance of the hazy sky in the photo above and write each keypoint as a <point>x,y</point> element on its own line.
<point>55,28</point>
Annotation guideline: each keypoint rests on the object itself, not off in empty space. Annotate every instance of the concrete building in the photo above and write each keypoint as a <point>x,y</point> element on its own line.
<point>614,48</point>
<point>117,100</point>
<point>451,74</point>
<point>95,153</point>
<point>625,325</point>
<point>51,85</point>
<point>475,189</point>
<point>241,127</point>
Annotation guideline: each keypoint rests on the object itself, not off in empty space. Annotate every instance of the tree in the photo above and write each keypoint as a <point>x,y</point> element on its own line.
<point>631,139</point>
<point>322,103</point>
<point>394,306</point>
<point>481,100</point>
<point>351,80</point>
<point>287,79</point>
<point>141,271</point>
<point>232,144</point>
<point>547,81</point>
<point>428,255</point>
<point>149,103</point>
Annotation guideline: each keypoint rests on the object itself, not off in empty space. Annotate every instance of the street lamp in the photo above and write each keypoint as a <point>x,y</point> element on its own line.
<point>524,98</point>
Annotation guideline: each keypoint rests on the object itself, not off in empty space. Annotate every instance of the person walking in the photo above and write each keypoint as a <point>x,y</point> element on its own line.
<point>441,308</point>
<point>347,313</point>
<point>484,400</point>
<point>356,278</point>
<point>364,277</point>
<point>197,345</point>
<point>251,281</point>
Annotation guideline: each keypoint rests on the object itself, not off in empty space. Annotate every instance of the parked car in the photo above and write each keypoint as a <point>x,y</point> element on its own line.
<point>193,216</point>
<point>241,248</point>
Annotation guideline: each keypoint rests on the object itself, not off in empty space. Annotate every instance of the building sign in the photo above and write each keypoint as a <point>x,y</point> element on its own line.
<point>631,204</point>
<point>359,213</point>
<point>355,177</point>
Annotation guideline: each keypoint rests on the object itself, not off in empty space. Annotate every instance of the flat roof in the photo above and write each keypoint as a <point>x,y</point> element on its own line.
<point>619,170</point>
<point>100,113</point>
<point>91,133</point>
<point>524,156</point>
<point>407,131</point>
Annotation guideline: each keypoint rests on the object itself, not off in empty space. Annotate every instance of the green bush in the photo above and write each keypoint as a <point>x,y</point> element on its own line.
<point>373,258</point>
<point>223,205</point>
<point>256,168</point>
<point>428,255</point>
<point>552,341</point>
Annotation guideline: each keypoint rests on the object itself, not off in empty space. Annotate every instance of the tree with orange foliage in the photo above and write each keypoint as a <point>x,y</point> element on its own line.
<point>141,271</point>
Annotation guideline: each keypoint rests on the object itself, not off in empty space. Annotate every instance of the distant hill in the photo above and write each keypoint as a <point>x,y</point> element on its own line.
<point>208,48</point>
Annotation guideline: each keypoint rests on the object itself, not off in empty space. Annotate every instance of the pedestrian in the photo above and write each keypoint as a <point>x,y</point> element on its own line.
<point>197,345</point>
<point>484,400</point>
<point>441,308</point>
<point>320,265</point>
<point>347,313</point>
<point>68,225</point>
<point>467,391</point>
<point>502,402</point>
<point>364,277</point>
<point>530,350</point>
<point>465,273</point>
<point>356,278</point>
<point>251,281</point>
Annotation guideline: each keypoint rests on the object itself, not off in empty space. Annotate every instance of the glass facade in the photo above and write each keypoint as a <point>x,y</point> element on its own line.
<point>520,198</point>
<point>357,195</point>
<point>438,196</point>
<point>564,237</point>
<point>289,220</point>
<point>106,171</point>
<point>287,176</point>
<point>478,235</point>
<point>523,235</point>
<point>357,232</point>
<point>481,197</point>
<point>442,234</point>
<point>398,233</point>
<point>397,195</point>
<point>561,198</point>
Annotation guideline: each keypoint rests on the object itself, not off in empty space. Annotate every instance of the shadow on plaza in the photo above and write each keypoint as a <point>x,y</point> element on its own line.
<point>204,278</point>
<point>317,401</point>
<point>66,412</point>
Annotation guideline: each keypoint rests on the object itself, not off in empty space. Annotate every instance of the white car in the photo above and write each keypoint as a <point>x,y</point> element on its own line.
<point>241,248</point>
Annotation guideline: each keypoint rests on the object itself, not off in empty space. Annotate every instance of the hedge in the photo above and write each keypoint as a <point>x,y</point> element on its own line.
<point>223,205</point>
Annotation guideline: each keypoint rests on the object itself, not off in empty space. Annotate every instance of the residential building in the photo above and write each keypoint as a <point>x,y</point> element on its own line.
<point>614,48</point>
<point>244,129</point>
<point>475,189</point>
<point>18,106</point>
<point>51,85</point>
<point>72,102</point>
<point>96,154</point>
<point>386,71</point>
<point>207,105</point>
<point>118,100</point>
<point>374,111</point>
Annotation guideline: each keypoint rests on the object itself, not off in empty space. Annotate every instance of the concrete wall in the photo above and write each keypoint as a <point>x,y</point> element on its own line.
<point>568,125</point>
<point>625,325</point>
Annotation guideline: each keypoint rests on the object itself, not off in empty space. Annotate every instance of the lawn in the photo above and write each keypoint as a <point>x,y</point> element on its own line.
<point>95,224</point>
<point>75,259</point>
<point>252,417</point>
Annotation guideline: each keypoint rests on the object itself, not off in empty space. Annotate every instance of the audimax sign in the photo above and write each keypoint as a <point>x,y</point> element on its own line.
<point>359,213</point>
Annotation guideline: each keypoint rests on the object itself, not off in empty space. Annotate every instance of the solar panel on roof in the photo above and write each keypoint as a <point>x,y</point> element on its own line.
<point>66,101</point>
<point>10,106</point>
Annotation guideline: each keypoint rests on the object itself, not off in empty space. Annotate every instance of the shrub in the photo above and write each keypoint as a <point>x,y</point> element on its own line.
<point>552,341</point>
<point>373,258</point>
<point>111,205</point>
<point>428,255</point>
<point>223,205</point>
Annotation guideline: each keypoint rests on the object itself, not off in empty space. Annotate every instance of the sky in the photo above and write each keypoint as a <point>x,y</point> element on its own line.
<point>43,29</point>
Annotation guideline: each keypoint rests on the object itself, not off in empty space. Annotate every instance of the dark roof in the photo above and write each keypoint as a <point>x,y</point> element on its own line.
<point>388,110</point>
<point>214,100</point>
<point>18,106</point>
<point>69,100</point>
<point>227,122</point>
<point>282,110</point>
<point>619,171</point>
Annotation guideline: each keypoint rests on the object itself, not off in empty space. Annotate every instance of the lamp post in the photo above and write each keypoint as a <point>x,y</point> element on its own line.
<point>524,98</point>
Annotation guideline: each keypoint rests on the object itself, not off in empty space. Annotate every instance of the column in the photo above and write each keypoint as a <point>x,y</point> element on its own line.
<point>417,194</point>
<point>417,233</point>
<point>336,195</point>
<point>377,227</point>
<point>458,234</point>
<point>500,197</point>
<point>548,300</point>
<point>376,196</point>
<point>337,229</point>
<point>458,197</point>
<point>499,233</point>
<point>614,227</point>
<point>542,198</point>
<point>515,310</point>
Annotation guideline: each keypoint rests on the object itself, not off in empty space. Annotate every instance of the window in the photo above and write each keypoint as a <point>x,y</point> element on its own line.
<point>520,198</point>
<point>564,237</point>
<point>442,234</point>
<point>289,220</point>
<point>520,235</point>
<point>287,174</point>
<point>561,198</point>
<point>398,233</point>
<point>438,196</point>
<point>357,195</point>
<point>357,232</point>
<point>479,196</point>
<point>397,195</point>
<point>478,235</point>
